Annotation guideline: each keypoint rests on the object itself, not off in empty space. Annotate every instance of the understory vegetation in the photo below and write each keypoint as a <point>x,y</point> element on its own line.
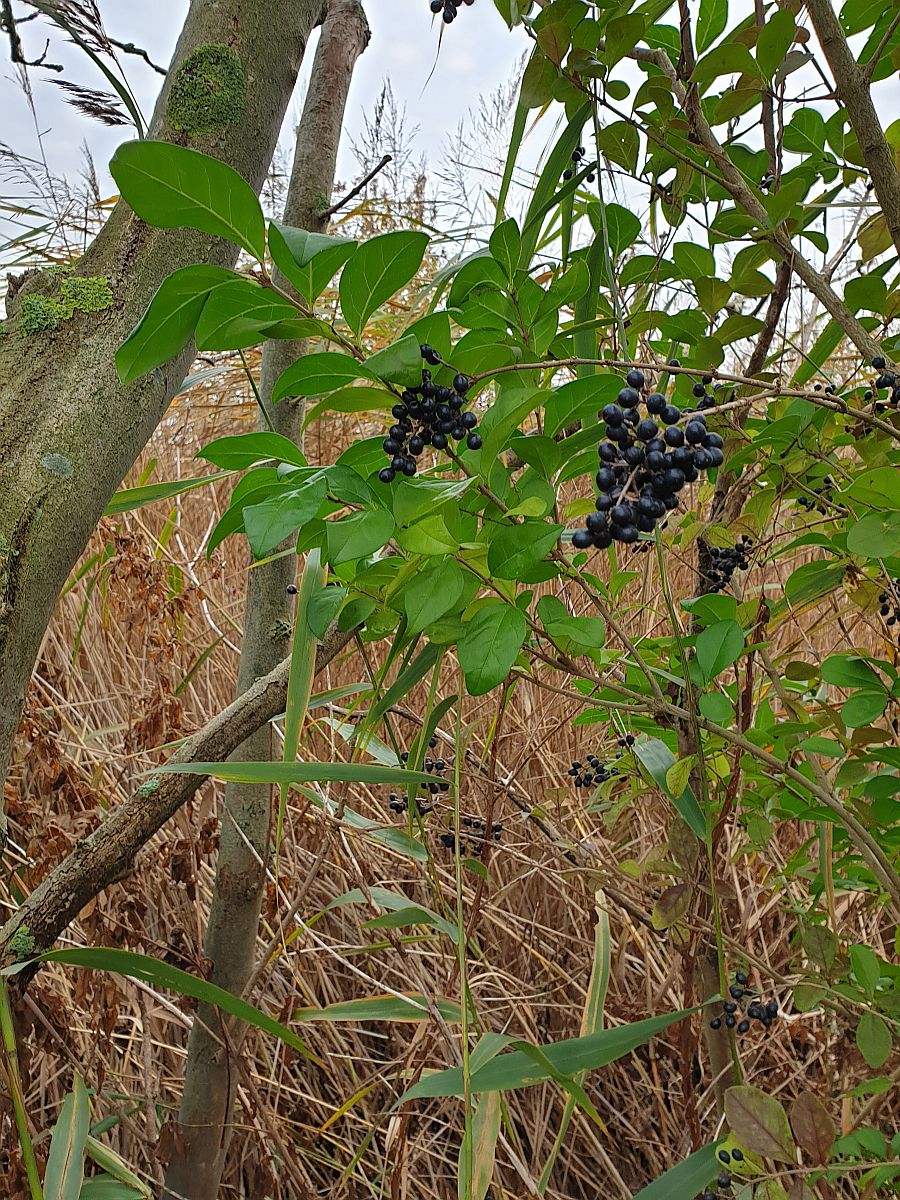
<point>566,515</point>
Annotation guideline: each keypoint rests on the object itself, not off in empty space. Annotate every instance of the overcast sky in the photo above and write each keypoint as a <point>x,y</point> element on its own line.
<point>477,54</point>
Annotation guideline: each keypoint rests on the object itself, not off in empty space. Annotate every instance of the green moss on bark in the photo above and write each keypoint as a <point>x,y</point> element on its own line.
<point>208,91</point>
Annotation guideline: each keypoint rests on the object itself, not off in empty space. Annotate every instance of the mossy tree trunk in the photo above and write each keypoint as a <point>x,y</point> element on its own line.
<point>231,932</point>
<point>69,432</point>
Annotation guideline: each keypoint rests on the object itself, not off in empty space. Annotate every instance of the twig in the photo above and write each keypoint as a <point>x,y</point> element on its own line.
<point>329,212</point>
<point>131,48</point>
<point>9,23</point>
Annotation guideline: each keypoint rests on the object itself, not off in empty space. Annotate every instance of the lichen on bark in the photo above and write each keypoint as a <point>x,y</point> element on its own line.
<point>42,312</point>
<point>209,90</point>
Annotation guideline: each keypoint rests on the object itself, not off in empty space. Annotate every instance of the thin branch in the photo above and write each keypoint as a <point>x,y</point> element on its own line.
<point>131,48</point>
<point>853,93</point>
<point>329,212</point>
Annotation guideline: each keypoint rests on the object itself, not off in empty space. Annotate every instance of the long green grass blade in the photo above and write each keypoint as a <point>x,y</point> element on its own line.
<point>686,1180</point>
<point>297,772</point>
<point>510,1071</point>
<point>300,680</point>
<point>591,1022</point>
<point>65,1163</point>
<point>161,974</point>
<point>113,1165</point>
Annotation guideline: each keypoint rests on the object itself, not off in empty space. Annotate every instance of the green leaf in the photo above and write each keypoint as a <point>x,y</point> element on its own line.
<point>437,534</point>
<point>866,968</point>
<point>112,1164</point>
<point>432,593</point>
<point>173,187</point>
<point>812,580</point>
<point>169,321</point>
<point>242,450</point>
<point>583,631</point>
<point>399,363</point>
<point>309,260</point>
<point>711,22</point>
<point>507,1072</point>
<point>716,708</point>
<point>268,523</point>
<point>517,548</point>
<point>485,1131</point>
<point>358,535</point>
<point>412,674</point>
<point>730,58</point>
<point>104,1187</point>
<point>879,488</point>
<point>316,374</point>
<point>821,946</point>
<point>718,647</point>
<point>128,499</point>
<point>849,671</point>
<point>875,536</point>
<point>687,1179</point>
<point>863,708</point>
<point>774,40</point>
<point>65,1163</point>
<point>411,1006</point>
<point>237,315</point>
<point>379,269</point>
<point>506,246</point>
<point>759,1123</point>
<point>488,648</point>
<point>873,1038</point>
<point>393,902</point>
<point>657,760</point>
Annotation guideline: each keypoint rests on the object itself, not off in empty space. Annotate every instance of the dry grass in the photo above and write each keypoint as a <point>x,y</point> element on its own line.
<point>119,679</point>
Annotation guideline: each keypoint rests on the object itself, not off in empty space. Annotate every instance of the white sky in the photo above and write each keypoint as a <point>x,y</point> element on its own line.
<point>477,54</point>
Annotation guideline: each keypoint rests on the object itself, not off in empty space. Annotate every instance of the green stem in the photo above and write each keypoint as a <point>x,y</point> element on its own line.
<point>16,1094</point>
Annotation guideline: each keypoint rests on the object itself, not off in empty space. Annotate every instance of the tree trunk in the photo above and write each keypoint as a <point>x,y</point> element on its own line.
<point>231,933</point>
<point>69,432</point>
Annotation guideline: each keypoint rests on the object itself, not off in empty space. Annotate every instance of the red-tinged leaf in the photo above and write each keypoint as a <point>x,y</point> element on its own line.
<point>760,1123</point>
<point>671,906</point>
<point>813,1127</point>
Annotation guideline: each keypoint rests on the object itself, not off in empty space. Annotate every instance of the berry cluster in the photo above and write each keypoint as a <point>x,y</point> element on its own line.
<point>449,8</point>
<point>473,836</point>
<point>886,381</point>
<point>428,415</point>
<point>755,1011</point>
<point>701,390</point>
<point>724,563</point>
<point>890,609</point>
<point>595,772</point>
<point>400,804</point>
<point>723,1179</point>
<point>643,468</point>
<point>433,766</point>
<point>577,159</point>
<point>810,503</point>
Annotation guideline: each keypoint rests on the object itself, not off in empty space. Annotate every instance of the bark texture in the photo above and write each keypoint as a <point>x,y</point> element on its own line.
<point>231,933</point>
<point>69,432</point>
